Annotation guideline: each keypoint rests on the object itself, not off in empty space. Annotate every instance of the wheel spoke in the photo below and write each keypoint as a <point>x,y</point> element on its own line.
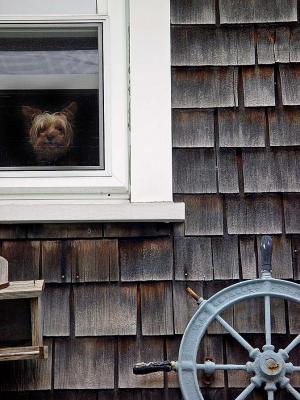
<point>224,367</point>
<point>268,323</point>
<point>296,368</point>
<point>235,335</point>
<point>293,391</point>
<point>245,393</point>
<point>270,395</point>
<point>293,344</point>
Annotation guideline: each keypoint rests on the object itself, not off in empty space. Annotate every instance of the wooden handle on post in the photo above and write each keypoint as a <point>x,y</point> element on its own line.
<point>3,273</point>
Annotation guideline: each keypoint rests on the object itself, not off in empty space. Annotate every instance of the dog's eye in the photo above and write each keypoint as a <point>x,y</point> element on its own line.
<point>60,129</point>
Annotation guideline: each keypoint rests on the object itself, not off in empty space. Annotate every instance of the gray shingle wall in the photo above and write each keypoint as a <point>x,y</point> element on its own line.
<point>115,293</point>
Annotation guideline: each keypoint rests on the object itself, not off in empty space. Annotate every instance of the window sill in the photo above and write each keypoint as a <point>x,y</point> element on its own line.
<point>88,211</point>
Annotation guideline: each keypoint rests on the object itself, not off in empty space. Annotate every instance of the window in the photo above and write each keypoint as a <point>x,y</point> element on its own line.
<point>85,109</point>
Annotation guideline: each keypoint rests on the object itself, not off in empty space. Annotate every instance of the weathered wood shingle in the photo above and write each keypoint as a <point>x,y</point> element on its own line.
<point>254,215</point>
<point>193,259</point>
<point>56,310</point>
<point>105,310</point>
<point>195,46</point>
<point>204,87</point>
<point>193,128</point>
<point>56,261</point>
<point>204,215</point>
<point>193,12</point>
<point>194,171</point>
<point>276,171</point>
<point>146,259</point>
<point>290,83</point>
<point>258,84</point>
<point>242,128</point>
<point>226,258</point>
<point>84,364</point>
<point>284,127</point>
<point>248,257</point>
<point>239,12</point>
<point>291,207</point>
<point>157,309</point>
<point>228,179</point>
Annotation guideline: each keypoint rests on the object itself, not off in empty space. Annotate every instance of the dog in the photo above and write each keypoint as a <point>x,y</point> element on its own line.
<point>50,134</point>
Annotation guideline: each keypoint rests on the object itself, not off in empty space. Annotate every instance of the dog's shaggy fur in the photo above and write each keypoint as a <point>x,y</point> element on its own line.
<point>50,134</point>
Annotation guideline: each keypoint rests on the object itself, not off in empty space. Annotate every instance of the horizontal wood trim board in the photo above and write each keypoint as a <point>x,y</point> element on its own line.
<point>14,212</point>
<point>23,353</point>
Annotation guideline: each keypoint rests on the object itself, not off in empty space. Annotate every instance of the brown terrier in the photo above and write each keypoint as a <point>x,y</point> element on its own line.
<point>51,134</point>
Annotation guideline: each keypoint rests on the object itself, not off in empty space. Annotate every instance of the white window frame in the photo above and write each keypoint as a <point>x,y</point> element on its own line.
<point>139,184</point>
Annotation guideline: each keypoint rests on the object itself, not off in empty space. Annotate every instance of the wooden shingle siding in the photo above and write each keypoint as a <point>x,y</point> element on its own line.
<point>157,309</point>
<point>243,128</point>
<point>258,85</point>
<point>196,46</point>
<point>248,258</point>
<point>254,215</point>
<point>193,259</point>
<point>146,259</point>
<point>257,11</point>
<point>194,171</point>
<point>27,375</point>
<point>193,128</point>
<point>130,230</point>
<point>132,351</point>
<point>276,171</point>
<point>225,257</point>
<point>290,83</point>
<point>291,213</point>
<point>204,88</point>
<point>193,12</point>
<point>56,310</point>
<point>204,215</point>
<point>101,310</point>
<point>284,127</point>
<point>56,260</point>
<point>228,172</point>
<point>84,363</point>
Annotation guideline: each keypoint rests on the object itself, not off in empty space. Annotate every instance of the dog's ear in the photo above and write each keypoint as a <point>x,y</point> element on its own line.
<point>70,110</point>
<point>30,112</point>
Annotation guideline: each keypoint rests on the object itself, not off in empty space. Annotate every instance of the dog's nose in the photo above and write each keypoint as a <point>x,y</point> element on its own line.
<point>49,139</point>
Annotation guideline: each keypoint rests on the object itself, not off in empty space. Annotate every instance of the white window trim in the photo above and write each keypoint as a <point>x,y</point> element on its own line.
<point>145,191</point>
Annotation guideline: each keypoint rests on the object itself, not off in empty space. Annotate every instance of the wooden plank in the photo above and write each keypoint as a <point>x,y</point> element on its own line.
<point>146,259</point>
<point>204,87</point>
<point>102,310</point>
<point>248,257</point>
<point>294,53</point>
<point>22,290</point>
<point>284,126</point>
<point>95,260</point>
<point>81,395</point>
<point>291,213</point>
<point>211,347</point>
<point>172,350</point>
<point>242,128</point>
<point>256,11</point>
<point>226,257</point>
<point>258,86</point>
<point>194,171</point>
<point>84,364</point>
<point>23,353</point>
<point>56,260</point>
<point>204,215</point>
<point>193,128</point>
<point>36,322</point>
<point>133,351</point>
<point>64,231</point>
<point>282,45</point>
<point>56,310</point>
<point>293,314</point>
<point>136,230</point>
<point>249,316</point>
<point>157,309</point>
<point>265,45</point>
<point>282,264</point>
<point>184,306</point>
<point>193,12</point>
<point>296,257</point>
<point>210,289</point>
<point>12,232</point>
<point>193,259</point>
<point>275,171</point>
<point>254,215</point>
<point>290,84</point>
<point>15,322</point>
<point>23,259</point>
<point>192,46</point>
<point>27,375</point>
<point>228,178</point>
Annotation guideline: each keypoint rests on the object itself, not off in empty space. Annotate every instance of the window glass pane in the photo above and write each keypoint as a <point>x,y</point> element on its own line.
<point>51,105</point>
